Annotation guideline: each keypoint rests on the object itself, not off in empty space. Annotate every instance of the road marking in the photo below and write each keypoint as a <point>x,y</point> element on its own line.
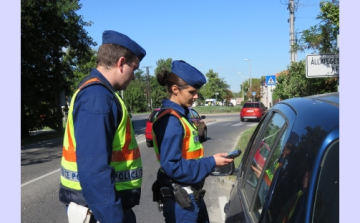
<point>222,202</point>
<point>252,124</point>
<point>58,170</point>
<point>36,179</point>
<point>225,124</point>
<point>31,150</point>
<point>238,124</point>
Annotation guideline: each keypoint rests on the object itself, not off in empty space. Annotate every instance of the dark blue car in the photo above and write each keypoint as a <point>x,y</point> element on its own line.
<point>299,181</point>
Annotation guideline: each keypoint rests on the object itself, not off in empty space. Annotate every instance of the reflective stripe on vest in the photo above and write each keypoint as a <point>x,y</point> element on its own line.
<point>191,146</point>
<point>291,207</point>
<point>125,158</point>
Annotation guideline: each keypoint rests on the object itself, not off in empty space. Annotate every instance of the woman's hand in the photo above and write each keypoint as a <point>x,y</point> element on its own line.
<point>257,170</point>
<point>220,159</point>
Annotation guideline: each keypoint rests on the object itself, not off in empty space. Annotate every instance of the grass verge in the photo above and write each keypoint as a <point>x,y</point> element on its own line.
<point>217,109</point>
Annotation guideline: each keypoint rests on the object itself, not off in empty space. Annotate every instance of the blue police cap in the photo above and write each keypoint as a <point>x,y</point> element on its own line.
<point>188,73</point>
<point>114,37</point>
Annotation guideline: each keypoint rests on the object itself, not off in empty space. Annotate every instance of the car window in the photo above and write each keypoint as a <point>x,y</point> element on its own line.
<point>251,105</point>
<point>268,175</point>
<point>256,182</point>
<point>326,208</point>
<point>194,114</point>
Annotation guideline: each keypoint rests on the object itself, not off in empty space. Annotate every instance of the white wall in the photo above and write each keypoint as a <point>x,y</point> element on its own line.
<point>266,98</point>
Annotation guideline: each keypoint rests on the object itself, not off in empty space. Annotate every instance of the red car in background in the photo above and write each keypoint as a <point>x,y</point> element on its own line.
<point>253,110</point>
<point>195,118</point>
<point>261,154</point>
<point>148,129</point>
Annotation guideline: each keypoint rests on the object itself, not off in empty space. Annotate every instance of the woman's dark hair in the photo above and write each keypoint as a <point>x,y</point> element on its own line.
<point>108,54</point>
<point>168,79</point>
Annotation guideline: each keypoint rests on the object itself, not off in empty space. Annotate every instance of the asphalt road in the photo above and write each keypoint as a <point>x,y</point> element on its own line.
<point>40,173</point>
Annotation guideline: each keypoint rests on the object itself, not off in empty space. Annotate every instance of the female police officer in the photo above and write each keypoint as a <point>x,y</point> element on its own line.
<point>178,149</point>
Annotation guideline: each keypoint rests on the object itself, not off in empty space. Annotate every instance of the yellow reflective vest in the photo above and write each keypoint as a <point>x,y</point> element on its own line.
<point>191,146</point>
<point>125,158</point>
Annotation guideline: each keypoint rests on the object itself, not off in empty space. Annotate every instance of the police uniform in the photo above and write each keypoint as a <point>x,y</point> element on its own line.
<point>168,136</point>
<point>94,147</point>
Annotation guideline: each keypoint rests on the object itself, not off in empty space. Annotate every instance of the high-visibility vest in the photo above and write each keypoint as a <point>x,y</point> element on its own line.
<point>290,207</point>
<point>269,173</point>
<point>191,146</point>
<point>125,158</point>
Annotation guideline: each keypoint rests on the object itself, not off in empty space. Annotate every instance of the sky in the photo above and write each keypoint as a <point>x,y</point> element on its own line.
<point>210,34</point>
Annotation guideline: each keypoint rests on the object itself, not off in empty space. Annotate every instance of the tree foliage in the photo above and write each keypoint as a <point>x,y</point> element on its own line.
<point>228,95</point>
<point>134,95</point>
<point>247,91</point>
<point>322,38</point>
<point>47,28</point>
<point>214,84</point>
<point>158,92</point>
<point>80,69</point>
<point>293,83</point>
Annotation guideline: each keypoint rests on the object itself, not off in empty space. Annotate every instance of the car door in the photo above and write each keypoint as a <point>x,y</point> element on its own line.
<point>259,165</point>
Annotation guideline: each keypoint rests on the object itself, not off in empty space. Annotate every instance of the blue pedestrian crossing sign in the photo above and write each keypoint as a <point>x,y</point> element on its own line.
<point>270,80</point>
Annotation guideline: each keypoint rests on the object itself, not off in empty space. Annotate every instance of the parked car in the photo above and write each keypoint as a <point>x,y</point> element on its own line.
<point>148,129</point>
<point>195,118</point>
<point>299,180</point>
<point>253,110</point>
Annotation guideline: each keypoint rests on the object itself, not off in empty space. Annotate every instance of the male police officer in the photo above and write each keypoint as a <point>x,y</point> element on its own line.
<point>101,167</point>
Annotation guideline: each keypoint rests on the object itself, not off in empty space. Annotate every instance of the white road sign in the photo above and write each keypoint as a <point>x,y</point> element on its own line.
<point>322,65</point>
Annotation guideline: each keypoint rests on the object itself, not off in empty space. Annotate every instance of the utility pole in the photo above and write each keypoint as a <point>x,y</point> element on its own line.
<point>291,20</point>
<point>148,89</point>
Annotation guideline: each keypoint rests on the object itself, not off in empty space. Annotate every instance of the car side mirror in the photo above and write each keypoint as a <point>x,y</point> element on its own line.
<point>225,170</point>
<point>203,117</point>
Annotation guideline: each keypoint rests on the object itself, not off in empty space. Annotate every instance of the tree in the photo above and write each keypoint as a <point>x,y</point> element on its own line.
<point>158,92</point>
<point>322,38</point>
<point>47,28</point>
<point>80,69</point>
<point>228,95</point>
<point>294,83</point>
<point>134,95</point>
<point>214,84</point>
<point>255,86</point>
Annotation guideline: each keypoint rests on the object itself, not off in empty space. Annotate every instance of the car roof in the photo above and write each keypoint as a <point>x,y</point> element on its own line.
<point>331,98</point>
<point>321,101</point>
<point>314,111</point>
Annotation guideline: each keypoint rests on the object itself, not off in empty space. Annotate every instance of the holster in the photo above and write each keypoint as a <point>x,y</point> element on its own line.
<point>181,196</point>
<point>199,194</point>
